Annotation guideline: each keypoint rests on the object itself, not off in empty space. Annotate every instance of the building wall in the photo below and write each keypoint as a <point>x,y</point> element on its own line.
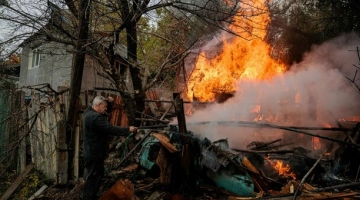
<point>55,69</point>
<point>91,77</point>
<point>54,66</point>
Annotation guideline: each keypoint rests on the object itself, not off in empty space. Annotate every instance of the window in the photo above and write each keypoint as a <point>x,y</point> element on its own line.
<point>35,58</point>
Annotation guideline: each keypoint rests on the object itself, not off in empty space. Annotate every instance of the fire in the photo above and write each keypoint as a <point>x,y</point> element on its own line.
<point>284,170</point>
<point>316,143</point>
<point>246,57</point>
<point>351,118</point>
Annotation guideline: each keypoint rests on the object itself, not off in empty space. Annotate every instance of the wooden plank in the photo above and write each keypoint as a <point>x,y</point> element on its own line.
<point>14,121</point>
<point>38,193</point>
<point>67,102</point>
<point>117,113</point>
<point>76,151</point>
<point>41,142</point>
<point>48,145</point>
<point>165,167</point>
<point>35,132</point>
<point>167,110</point>
<point>52,140</point>
<point>22,132</point>
<point>17,182</point>
<point>53,136</point>
<point>31,135</point>
<point>124,119</point>
<point>63,154</point>
<point>150,95</point>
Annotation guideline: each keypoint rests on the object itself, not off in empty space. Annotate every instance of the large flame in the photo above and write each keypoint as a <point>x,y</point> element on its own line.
<point>245,56</point>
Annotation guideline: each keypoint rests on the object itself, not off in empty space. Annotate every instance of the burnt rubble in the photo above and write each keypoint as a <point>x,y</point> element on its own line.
<point>170,162</point>
<point>167,163</point>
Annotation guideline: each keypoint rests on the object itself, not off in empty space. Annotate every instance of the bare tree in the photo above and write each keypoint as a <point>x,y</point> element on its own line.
<point>102,29</point>
<point>354,81</point>
<point>297,25</point>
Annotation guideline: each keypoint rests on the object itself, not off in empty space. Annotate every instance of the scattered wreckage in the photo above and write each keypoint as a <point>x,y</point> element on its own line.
<point>168,162</point>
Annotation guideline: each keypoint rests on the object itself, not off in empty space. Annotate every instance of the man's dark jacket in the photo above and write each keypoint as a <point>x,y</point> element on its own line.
<point>97,130</point>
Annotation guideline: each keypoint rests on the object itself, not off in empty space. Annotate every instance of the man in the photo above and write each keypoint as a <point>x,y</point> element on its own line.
<point>96,133</point>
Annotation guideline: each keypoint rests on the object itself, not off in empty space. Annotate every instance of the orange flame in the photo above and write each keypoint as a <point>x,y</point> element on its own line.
<point>316,143</point>
<point>351,118</point>
<point>243,57</point>
<point>284,170</point>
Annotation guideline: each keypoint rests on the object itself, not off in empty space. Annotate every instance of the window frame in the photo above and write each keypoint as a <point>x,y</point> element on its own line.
<point>35,58</point>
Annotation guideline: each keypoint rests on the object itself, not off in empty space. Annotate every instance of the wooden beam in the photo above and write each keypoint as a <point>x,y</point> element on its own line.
<point>336,187</point>
<point>152,120</point>
<point>179,110</point>
<point>292,129</point>
<point>38,193</point>
<point>17,182</point>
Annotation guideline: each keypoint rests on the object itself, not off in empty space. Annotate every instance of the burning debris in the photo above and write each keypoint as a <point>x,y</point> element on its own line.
<point>216,170</point>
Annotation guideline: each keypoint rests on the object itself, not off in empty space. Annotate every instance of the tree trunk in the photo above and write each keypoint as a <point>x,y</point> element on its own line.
<point>76,79</point>
<point>136,102</point>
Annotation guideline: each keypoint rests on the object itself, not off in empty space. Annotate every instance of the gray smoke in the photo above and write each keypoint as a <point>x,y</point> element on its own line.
<point>315,92</point>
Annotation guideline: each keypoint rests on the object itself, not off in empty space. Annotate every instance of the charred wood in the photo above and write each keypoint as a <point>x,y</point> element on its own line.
<point>147,187</point>
<point>127,169</point>
<point>256,124</point>
<point>152,127</point>
<point>265,151</point>
<point>152,120</point>
<point>348,185</point>
<point>133,149</point>
<point>262,182</point>
<point>278,157</point>
<point>347,158</point>
<point>281,145</point>
<point>180,114</point>
<point>349,136</point>
<point>263,145</point>
<point>167,112</point>
<point>163,101</point>
<point>311,169</point>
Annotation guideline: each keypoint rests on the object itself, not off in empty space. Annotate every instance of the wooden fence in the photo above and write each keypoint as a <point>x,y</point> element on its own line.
<point>12,129</point>
<point>48,136</point>
<point>39,127</point>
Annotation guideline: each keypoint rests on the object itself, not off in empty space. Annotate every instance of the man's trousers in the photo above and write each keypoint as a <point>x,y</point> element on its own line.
<point>95,173</point>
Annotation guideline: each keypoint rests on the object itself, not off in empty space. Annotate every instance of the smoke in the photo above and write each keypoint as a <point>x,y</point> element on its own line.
<point>314,92</point>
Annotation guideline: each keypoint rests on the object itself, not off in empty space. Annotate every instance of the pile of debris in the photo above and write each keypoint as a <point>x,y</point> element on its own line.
<point>169,164</point>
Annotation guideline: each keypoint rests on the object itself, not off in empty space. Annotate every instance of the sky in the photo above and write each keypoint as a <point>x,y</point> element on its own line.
<point>11,28</point>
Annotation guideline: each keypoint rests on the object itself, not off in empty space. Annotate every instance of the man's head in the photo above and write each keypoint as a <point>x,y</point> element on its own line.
<point>99,104</point>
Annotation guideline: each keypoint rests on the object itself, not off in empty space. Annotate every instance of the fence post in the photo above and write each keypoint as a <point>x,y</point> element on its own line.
<point>62,154</point>
<point>22,130</point>
<point>76,151</point>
